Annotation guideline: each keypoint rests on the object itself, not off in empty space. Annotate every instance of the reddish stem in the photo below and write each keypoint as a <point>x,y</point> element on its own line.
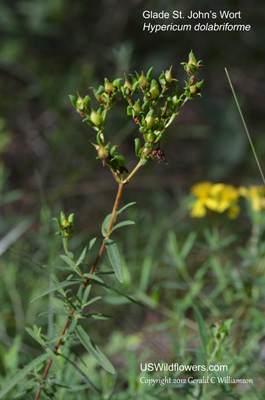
<point>92,271</point>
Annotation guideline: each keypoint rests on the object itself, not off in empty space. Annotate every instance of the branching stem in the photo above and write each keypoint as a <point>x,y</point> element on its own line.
<point>92,271</point>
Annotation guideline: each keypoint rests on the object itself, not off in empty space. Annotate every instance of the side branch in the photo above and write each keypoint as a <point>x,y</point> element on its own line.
<point>92,271</point>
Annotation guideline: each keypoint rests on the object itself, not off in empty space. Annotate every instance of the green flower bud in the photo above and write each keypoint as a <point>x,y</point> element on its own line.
<point>127,84</point>
<point>95,118</point>
<point>192,66</point>
<point>150,137</point>
<point>174,100</point>
<point>168,75</point>
<point>193,90</point>
<point>143,82</point>
<point>149,121</point>
<point>196,89</point>
<point>63,220</point>
<point>71,219</point>
<point>102,152</point>
<point>154,91</point>
<point>137,108</point>
<point>109,87</point>
<point>192,59</point>
<point>82,105</point>
<point>127,87</point>
<point>66,226</point>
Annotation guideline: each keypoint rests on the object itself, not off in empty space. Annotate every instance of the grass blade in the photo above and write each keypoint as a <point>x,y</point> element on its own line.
<point>202,329</point>
<point>245,126</point>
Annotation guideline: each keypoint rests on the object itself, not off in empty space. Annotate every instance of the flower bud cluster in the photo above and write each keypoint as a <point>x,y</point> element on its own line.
<point>192,66</point>
<point>65,225</point>
<point>152,103</point>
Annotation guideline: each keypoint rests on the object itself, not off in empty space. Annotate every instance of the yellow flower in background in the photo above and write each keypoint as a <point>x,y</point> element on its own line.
<point>216,197</point>
<point>202,192</point>
<point>222,197</point>
<point>256,195</point>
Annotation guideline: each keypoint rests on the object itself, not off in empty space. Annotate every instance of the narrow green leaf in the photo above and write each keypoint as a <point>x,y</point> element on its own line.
<point>73,326</point>
<point>121,294</point>
<point>68,260</point>
<point>93,277</point>
<point>96,316</point>
<point>129,110</point>
<point>91,243</point>
<point>121,224</point>
<point>73,100</point>
<point>126,206</point>
<point>22,374</point>
<point>94,350</point>
<point>53,357</point>
<point>65,314</point>
<point>105,225</point>
<point>135,86</point>
<point>86,293</point>
<point>32,334</point>
<point>137,142</point>
<point>145,273</point>
<point>202,329</point>
<point>82,256</point>
<point>188,245</point>
<point>55,288</point>
<point>149,74</point>
<point>114,257</point>
<point>56,267</point>
<point>80,387</point>
<point>92,301</point>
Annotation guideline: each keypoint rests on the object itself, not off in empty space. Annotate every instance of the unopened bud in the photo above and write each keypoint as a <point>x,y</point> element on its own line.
<point>174,100</point>
<point>154,91</point>
<point>143,82</point>
<point>196,89</point>
<point>168,75</point>
<point>127,84</point>
<point>102,152</point>
<point>109,87</point>
<point>192,59</point>
<point>149,121</point>
<point>137,108</point>
<point>63,220</point>
<point>95,118</point>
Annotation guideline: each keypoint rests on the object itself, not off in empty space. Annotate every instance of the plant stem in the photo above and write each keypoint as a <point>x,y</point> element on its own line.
<point>92,270</point>
<point>65,245</point>
<point>132,173</point>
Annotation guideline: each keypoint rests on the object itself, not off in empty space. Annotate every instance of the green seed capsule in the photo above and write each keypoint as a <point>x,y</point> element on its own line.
<point>102,152</point>
<point>95,118</point>
<point>143,82</point>
<point>149,121</point>
<point>137,108</point>
<point>154,92</point>
<point>168,75</point>
<point>174,100</point>
<point>109,87</point>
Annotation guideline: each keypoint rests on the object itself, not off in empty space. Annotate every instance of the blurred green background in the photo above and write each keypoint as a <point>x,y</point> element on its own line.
<point>48,50</point>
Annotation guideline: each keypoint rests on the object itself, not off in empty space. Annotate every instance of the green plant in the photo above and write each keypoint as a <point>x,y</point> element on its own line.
<point>153,105</point>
